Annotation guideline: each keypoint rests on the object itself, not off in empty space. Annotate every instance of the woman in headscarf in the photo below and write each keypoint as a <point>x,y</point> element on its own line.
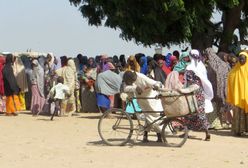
<point>227,58</point>
<point>237,94</point>
<point>157,57</point>
<point>49,73</point>
<point>2,99</point>
<point>196,73</point>
<point>180,67</point>
<point>233,60</point>
<point>172,81</point>
<point>50,79</point>
<point>77,91</point>
<point>132,64</point>
<point>184,60</point>
<point>173,60</point>
<point>115,60</point>
<point>68,72</point>
<point>103,63</point>
<point>11,88</point>
<point>77,63</point>
<point>63,60</point>
<point>88,95</point>
<point>161,63</point>
<point>167,63</point>
<point>143,65</point>
<point>91,64</point>
<point>81,64</point>
<point>28,70</point>
<point>123,61</point>
<point>37,81</point>
<point>217,72</point>
<point>223,56</point>
<point>107,84</point>
<point>50,60</point>
<point>176,54</point>
<point>138,56</point>
<point>155,72</point>
<point>21,78</point>
<point>168,60</point>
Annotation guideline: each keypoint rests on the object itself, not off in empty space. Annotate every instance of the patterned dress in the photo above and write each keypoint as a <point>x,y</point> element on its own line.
<point>217,73</point>
<point>199,120</point>
<point>240,121</point>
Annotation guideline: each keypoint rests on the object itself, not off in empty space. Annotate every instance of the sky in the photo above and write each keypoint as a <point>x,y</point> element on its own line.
<point>58,27</point>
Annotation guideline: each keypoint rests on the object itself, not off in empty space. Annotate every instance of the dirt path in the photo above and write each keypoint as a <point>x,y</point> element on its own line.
<point>37,142</point>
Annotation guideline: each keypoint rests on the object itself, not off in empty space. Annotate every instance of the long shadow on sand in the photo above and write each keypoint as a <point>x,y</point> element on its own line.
<point>44,119</point>
<point>226,132</point>
<point>132,144</point>
<point>91,117</point>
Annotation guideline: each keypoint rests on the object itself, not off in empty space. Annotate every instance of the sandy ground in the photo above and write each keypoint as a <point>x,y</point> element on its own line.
<point>37,142</point>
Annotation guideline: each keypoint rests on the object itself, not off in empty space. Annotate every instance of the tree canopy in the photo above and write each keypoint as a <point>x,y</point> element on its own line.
<point>168,22</point>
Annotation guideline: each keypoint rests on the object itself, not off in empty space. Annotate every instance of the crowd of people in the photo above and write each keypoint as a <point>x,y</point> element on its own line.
<point>94,84</point>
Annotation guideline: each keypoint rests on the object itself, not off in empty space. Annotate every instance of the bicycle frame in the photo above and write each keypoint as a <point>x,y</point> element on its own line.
<point>162,116</point>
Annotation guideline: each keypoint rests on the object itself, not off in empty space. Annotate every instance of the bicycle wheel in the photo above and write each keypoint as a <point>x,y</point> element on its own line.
<point>174,133</point>
<point>115,127</point>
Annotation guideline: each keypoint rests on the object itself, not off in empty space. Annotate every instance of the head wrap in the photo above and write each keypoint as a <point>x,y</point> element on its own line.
<point>63,61</point>
<point>172,82</point>
<point>168,60</point>
<point>195,54</point>
<point>135,64</point>
<point>91,64</point>
<point>158,73</point>
<point>197,66</point>
<point>110,66</point>
<point>72,65</point>
<point>51,62</point>
<point>181,65</point>
<point>173,58</point>
<point>144,66</point>
<point>238,85</point>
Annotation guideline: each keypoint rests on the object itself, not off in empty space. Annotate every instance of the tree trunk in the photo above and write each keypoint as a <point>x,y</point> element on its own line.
<point>202,40</point>
<point>230,23</point>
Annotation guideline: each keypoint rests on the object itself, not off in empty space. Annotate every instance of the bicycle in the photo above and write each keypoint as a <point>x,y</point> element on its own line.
<point>116,127</point>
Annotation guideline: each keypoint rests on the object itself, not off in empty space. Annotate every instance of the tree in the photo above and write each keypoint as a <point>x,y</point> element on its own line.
<point>168,22</point>
<point>234,16</point>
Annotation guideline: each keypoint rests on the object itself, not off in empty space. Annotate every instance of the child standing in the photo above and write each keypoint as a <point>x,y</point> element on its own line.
<point>58,93</point>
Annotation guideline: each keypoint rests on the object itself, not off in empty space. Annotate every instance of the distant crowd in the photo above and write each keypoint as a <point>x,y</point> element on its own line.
<point>93,84</point>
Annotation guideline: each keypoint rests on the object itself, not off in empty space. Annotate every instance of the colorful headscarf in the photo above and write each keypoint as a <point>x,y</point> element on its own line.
<point>166,69</point>
<point>144,66</point>
<point>173,58</point>
<point>197,66</point>
<point>110,66</point>
<point>136,67</point>
<point>238,85</point>
<point>168,60</point>
<point>181,65</point>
